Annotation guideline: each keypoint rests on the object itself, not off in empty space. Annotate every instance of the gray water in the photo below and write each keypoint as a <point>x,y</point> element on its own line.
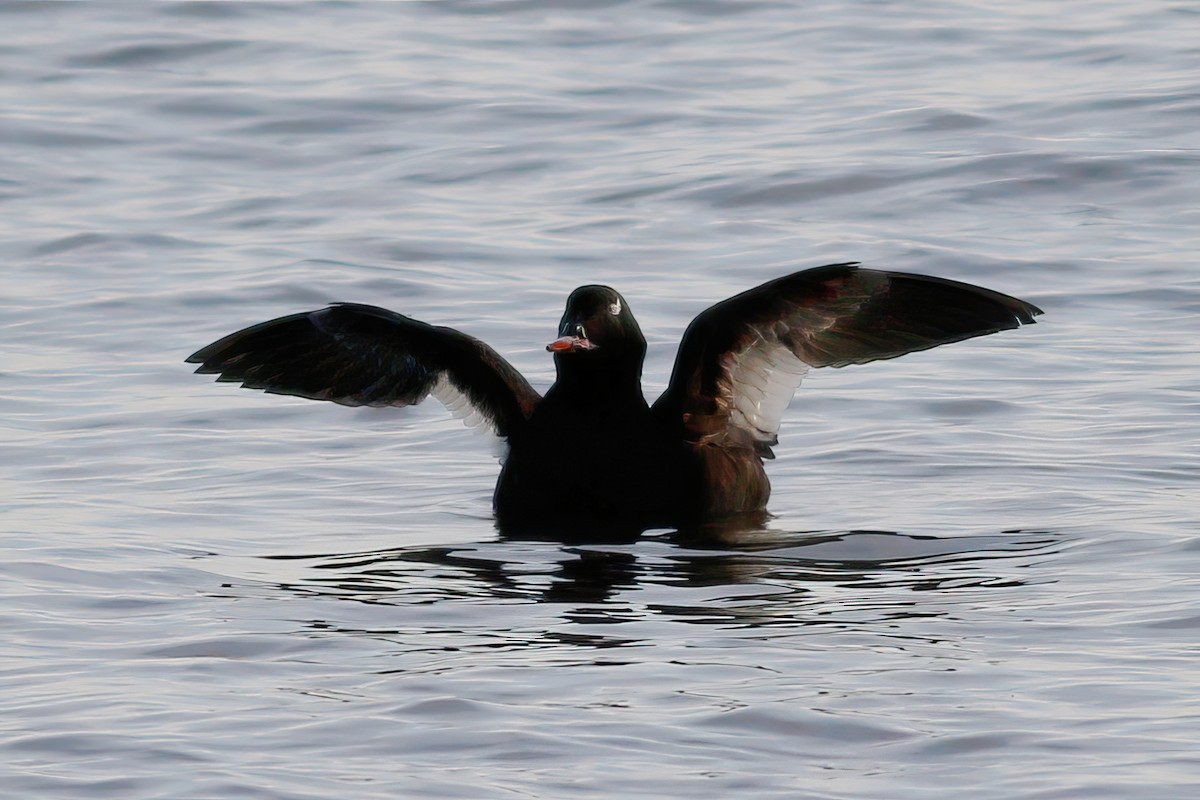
<point>981,576</point>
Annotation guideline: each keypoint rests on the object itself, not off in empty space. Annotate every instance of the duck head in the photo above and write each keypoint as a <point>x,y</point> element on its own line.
<point>598,334</point>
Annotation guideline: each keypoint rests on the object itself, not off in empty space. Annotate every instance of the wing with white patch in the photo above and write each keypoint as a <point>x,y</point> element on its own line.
<point>760,383</point>
<point>741,360</point>
<point>359,355</point>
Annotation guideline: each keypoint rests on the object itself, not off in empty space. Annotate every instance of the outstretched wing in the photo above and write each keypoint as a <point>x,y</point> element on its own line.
<point>741,360</point>
<point>360,355</point>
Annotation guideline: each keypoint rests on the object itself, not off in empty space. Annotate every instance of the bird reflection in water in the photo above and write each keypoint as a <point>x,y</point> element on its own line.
<point>774,577</point>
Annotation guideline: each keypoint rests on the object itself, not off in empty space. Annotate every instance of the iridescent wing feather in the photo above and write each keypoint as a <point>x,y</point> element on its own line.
<point>741,360</point>
<point>360,355</point>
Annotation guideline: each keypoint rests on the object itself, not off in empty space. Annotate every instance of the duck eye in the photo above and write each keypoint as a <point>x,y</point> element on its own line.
<point>614,307</point>
<point>582,333</point>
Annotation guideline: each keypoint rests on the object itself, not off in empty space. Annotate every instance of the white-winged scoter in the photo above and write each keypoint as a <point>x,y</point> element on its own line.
<point>592,454</point>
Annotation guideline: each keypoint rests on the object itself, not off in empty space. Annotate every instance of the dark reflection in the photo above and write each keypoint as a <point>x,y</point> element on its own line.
<point>468,572</point>
<point>729,529</point>
<point>774,577</point>
<point>572,532</point>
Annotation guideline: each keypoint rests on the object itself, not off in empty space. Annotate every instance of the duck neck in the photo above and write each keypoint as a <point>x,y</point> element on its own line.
<point>596,382</point>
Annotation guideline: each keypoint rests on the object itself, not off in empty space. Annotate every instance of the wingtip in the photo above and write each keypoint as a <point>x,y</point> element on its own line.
<point>1027,313</point>
<point>205,354</point>
<point>203,358</point>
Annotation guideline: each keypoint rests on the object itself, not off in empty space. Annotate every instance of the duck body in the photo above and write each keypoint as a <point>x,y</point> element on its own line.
<point>599,457</point>
<point>592,458</point>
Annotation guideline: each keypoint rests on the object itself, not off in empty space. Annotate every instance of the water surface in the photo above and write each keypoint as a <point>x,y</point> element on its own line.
<point>980,575</point>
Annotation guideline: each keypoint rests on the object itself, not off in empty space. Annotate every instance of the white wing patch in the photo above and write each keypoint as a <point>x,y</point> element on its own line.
<point>762,380</point>
<point>459,404</point>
